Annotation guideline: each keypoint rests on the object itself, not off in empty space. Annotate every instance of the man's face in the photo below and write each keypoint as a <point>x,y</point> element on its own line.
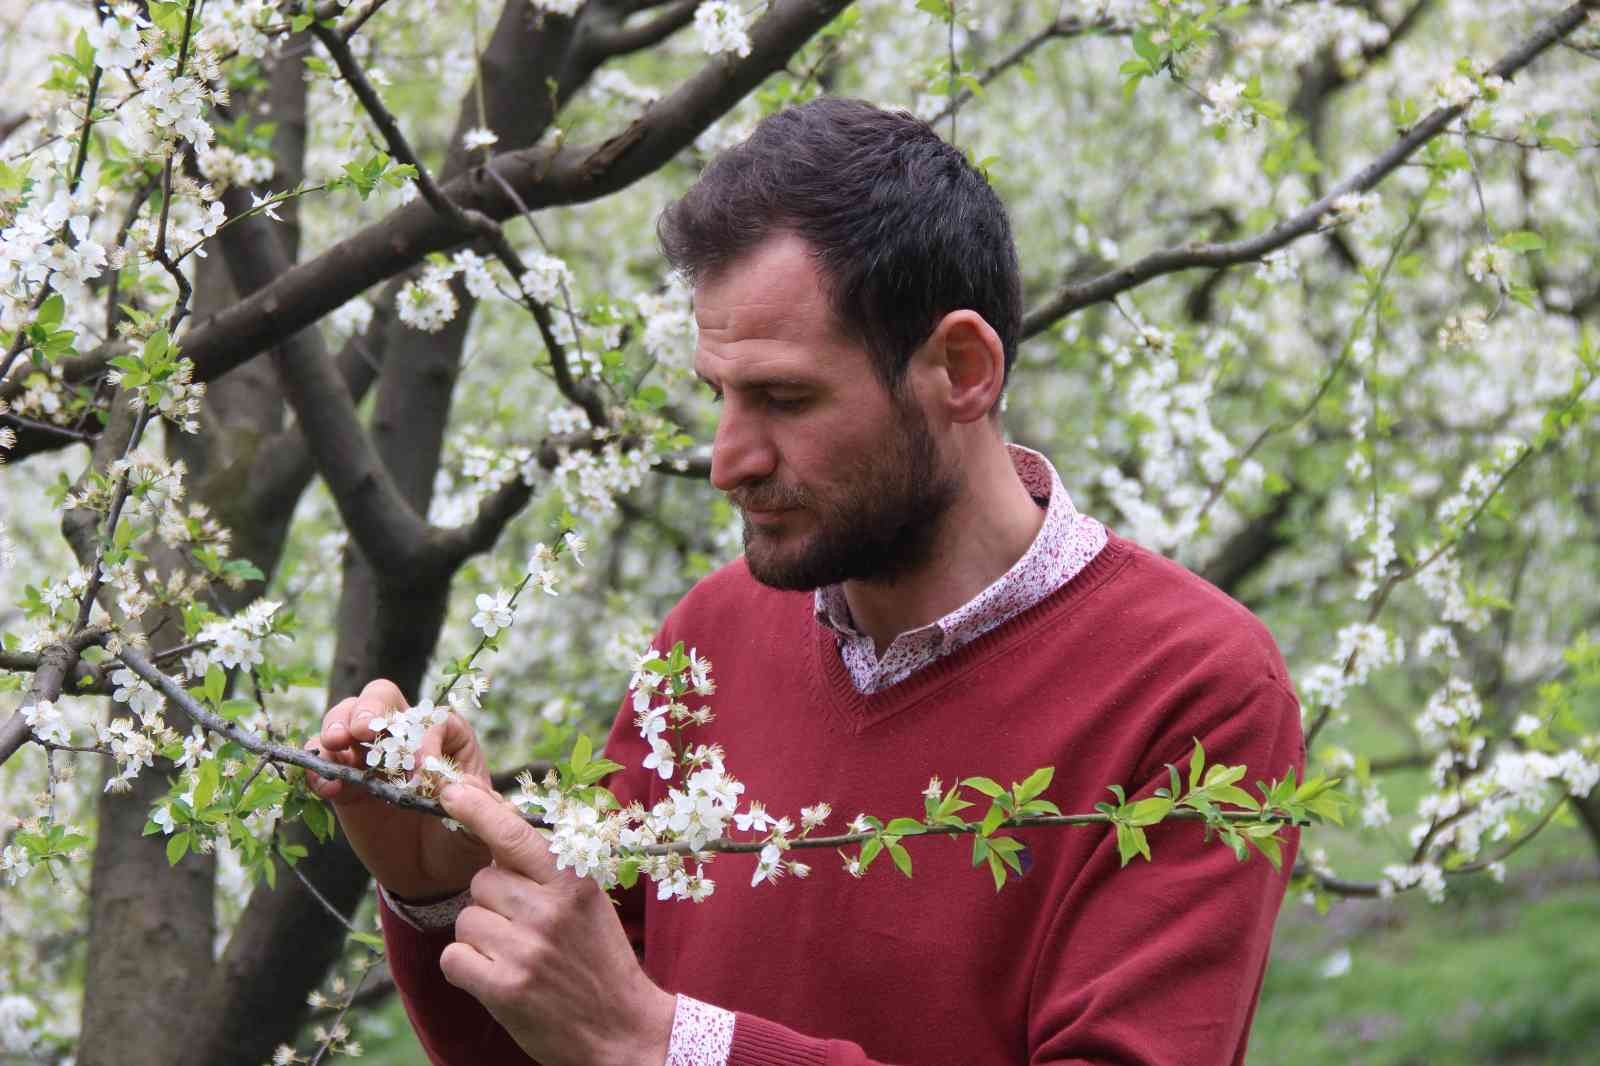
<point>837,478</point>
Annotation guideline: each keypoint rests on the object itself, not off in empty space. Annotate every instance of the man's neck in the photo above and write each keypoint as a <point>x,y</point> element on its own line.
<point>991,525</point>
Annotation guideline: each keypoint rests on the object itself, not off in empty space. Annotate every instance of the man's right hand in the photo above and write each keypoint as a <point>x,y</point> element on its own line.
<point>411,854</point>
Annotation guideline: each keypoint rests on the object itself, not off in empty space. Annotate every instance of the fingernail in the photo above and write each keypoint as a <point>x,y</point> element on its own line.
<point>338,727</point>
<point>363,717</point>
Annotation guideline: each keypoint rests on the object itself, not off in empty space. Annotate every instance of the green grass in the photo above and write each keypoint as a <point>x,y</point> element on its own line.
<point>1495,974</point>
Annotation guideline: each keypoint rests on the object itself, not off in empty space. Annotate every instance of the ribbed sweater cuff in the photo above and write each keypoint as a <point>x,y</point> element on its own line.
<point>759,1042</point>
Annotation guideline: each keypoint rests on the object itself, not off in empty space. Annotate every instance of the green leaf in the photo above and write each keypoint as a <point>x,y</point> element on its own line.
<point>177,846</point>
<point>1130,842</point>
<point>1146,48</point>
<point>50,311</point>
<point>901,857</point>
<point>1149,811</point>
<point>869,851</point>
<point>628,873</point>
<point>206,788</point>
<point>236,708</point>
<point>216,682</point>
<point>1523,240</point>
<point>1036,783</point>
<point>582,748</point>
<point>905,827</point>
<point>986,785</point>
<point>1268,846</point>
<point>992,820</point>
<point>372,940</point>
<point>997,870</point>
<point>1197,763</point>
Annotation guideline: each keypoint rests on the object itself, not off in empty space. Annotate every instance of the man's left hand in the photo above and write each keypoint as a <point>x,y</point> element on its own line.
<point>544,951</point>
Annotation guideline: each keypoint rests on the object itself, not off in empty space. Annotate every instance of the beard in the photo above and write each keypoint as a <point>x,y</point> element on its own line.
<point>881,525</point>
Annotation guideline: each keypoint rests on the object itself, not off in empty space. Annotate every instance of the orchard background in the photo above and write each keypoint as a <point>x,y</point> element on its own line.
<point>1311,309</point>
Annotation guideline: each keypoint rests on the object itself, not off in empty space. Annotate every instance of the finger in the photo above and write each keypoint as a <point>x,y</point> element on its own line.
<point>325,787</point>
<point>511,841</point>
<point>514,896</point>
<point>482,929</point>
<point>336,725</point>
<point>469,970</point>
<point>448,739</point>
<point>379,698</point>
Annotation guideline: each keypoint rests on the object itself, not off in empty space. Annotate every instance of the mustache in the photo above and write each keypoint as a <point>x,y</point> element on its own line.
<point>769,496</point>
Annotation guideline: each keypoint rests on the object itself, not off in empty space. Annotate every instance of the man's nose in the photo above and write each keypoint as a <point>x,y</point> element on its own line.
<point>742,451</point>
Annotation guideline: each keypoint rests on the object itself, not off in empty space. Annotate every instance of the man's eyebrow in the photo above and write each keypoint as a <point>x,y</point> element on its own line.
<point>759,383</point>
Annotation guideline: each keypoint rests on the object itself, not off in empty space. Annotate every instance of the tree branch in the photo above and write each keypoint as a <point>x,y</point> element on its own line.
<point>1075,296</point>
<point>617,39</point>
<point>542,177</point>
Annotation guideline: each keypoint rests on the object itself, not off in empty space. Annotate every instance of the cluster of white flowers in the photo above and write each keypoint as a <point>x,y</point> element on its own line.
<point>546,278</point>
<point>1225,105</point>
<point>1462,90</point>
<point>1428,876</point>
<point>47,722</point>
<point>1311,28</point>
<point>400,734</point>
<point>1374,807</point>
<point>1489,261</point>
<point>237,641</point>
<point>591,481</point>
<point>1181,450</point>
<point>479,137</point>
<point>134,747</point>
<point>31,254</point>
<point>140,696</point>
<point>595,842</point>
<point>8,550</point>
<point>427,303</point>
<point>1465,329</point>
<point>669,326</point>
<point>722,28</point>
<point>155,486</point>
<point>66,592</point>
<point>116,39</point>
<point>1361,648</point>
<point>224,167</point>
<point>1374,566</point>
<point>1438,639</point>
<point>1453,704</point>
<point>557,7</point>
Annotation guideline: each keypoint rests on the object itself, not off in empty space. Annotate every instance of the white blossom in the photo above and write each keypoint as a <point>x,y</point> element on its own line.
<point>722,29</point>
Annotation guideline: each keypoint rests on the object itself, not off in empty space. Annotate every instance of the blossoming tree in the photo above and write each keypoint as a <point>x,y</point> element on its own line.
<point>301,371</point>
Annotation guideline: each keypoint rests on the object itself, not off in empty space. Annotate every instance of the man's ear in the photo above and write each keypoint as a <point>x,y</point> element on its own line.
<point>971,362</point>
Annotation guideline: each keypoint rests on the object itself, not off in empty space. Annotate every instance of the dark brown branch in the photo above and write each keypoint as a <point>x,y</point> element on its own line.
<point>542,177</point>
<point>380,520</point>
<point>619,40</point>
<point>1075,296</point>
<point>56,663</point>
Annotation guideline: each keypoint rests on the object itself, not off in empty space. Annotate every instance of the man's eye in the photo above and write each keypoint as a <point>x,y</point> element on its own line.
<point>786,403</point>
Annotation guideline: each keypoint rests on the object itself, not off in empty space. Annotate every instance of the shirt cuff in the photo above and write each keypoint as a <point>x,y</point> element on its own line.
<point>428,917</point>
<point>702,1035</point>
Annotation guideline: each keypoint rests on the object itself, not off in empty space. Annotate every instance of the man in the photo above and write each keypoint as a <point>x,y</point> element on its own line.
<point>915,598</point>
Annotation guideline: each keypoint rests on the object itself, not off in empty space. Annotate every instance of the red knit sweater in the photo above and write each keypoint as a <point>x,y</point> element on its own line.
<point>1108,679</point>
